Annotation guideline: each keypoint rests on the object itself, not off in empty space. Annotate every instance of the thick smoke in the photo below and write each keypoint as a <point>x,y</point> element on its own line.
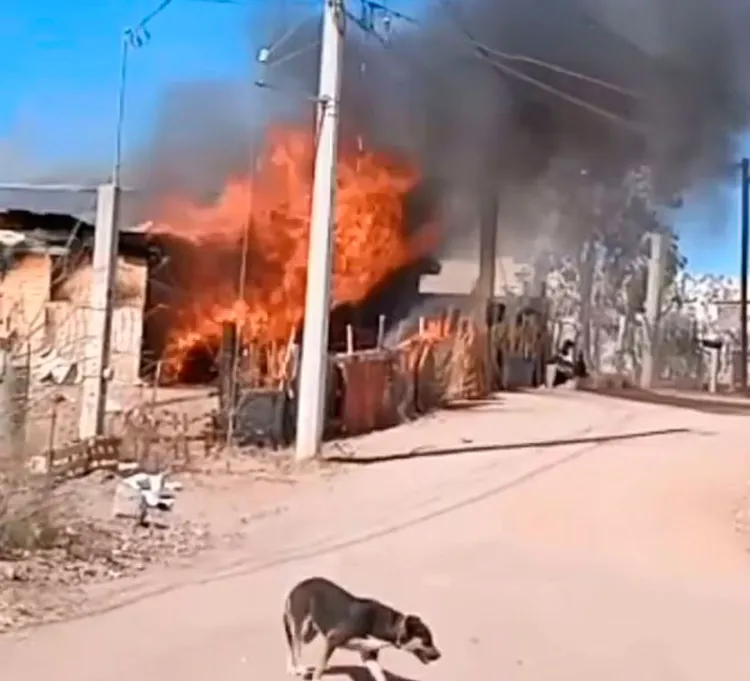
<point>201,135</point>
<point>435,95</point>
<point>430,93</point>
<point>687,68</point>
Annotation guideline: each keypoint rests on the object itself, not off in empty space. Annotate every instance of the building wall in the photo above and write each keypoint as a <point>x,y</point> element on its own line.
<point>58,328</point>
<point>24,293</point>
<point>67,326</point>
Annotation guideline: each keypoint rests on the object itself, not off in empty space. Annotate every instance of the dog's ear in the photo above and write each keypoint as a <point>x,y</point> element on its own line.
<point>405,629</point>
<point>402,630</point>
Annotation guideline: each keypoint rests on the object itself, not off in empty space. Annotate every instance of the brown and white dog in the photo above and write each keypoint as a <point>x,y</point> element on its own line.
<point>318,606</point>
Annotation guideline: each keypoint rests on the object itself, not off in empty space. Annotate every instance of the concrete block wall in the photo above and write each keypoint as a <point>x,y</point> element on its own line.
<point>26,307</point>
<point>24,293</point>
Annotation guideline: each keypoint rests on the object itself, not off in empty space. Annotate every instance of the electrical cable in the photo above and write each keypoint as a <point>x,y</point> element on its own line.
<point>482,52</point>
<point>138,35</point>
<point>497,59</point>
<point>559,69</point>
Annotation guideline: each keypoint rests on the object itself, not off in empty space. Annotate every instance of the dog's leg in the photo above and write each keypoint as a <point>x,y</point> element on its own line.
<point>323,661</point>
<point>334,639</point>
<point>370,660</point>
<point>294,645</point>
<point>292,658</point>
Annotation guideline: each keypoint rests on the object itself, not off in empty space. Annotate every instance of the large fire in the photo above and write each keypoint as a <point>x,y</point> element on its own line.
<point>268,214</point>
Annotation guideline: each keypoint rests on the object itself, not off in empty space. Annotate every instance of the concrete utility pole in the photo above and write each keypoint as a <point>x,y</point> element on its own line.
<point>98,335</point>
<point>744,234</point>
<point>96,371</point>
<point>314,363</point>
<point>656,269</point>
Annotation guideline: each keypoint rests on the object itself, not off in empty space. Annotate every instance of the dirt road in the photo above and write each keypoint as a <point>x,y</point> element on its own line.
<point>606,548</point>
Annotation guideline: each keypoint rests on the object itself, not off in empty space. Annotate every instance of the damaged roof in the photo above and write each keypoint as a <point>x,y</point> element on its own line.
<point>76,201</point>
<point>58,233</point>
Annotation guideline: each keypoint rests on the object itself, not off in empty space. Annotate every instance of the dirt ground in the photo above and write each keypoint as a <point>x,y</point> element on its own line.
<point>542,536</point>
<point>215,506</point>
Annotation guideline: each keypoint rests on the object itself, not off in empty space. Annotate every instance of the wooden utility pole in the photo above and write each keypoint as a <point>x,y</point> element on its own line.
<point>487,252</point>
<point>744,234</point>
<point>488,220</point>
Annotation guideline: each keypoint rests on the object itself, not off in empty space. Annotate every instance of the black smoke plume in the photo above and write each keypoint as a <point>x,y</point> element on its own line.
<point>439,92</point>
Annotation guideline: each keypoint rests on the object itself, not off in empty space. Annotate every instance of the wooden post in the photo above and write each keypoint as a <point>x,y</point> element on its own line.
<point>226,368</point>
<point>52,436</point>
<point>713,378</point>
<point>13,399</point>
<point>381,332</point>
<point>155,386</point>
<point>488,227</point>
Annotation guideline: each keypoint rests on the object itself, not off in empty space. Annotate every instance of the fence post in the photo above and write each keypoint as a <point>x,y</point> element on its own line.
<point>13,399</point>
<point>713,379</point>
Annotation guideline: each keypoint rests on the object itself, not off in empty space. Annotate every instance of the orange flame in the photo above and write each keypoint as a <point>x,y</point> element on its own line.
<point>269,212</point>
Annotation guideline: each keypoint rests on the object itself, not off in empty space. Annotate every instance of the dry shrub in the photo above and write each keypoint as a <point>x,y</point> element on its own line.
<point>31,517</point>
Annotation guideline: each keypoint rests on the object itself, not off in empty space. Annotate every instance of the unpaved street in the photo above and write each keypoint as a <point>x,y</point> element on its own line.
<point>587,555</point>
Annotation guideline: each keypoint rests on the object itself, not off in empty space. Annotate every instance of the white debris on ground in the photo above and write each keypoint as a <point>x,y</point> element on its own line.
<point>97,543</point>
<point>136,494</point>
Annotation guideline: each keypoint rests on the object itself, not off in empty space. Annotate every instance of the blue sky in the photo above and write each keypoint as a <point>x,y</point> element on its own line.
<point>59,97</point>
<point>61,64</point>
<point>710,232</point>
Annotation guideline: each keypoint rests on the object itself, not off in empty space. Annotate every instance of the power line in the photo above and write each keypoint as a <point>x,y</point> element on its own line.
<point>483,53</point>
<point>285,37</point>
<point>371,9</point>
<point>498,60</point>
<point>572,99</point>
<point>559,69</point>
<point>138,35</point>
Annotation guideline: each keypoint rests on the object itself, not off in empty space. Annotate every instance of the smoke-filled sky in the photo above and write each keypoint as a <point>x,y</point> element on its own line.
<point>190,92</point>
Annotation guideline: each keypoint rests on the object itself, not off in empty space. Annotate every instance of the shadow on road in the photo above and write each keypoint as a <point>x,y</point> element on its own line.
<point>537,444</point>
<point>705,405</point>
<point>360,673</point>
<point>468,405</point>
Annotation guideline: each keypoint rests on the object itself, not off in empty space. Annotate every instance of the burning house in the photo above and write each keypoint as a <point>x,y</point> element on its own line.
<point>243,258</point>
